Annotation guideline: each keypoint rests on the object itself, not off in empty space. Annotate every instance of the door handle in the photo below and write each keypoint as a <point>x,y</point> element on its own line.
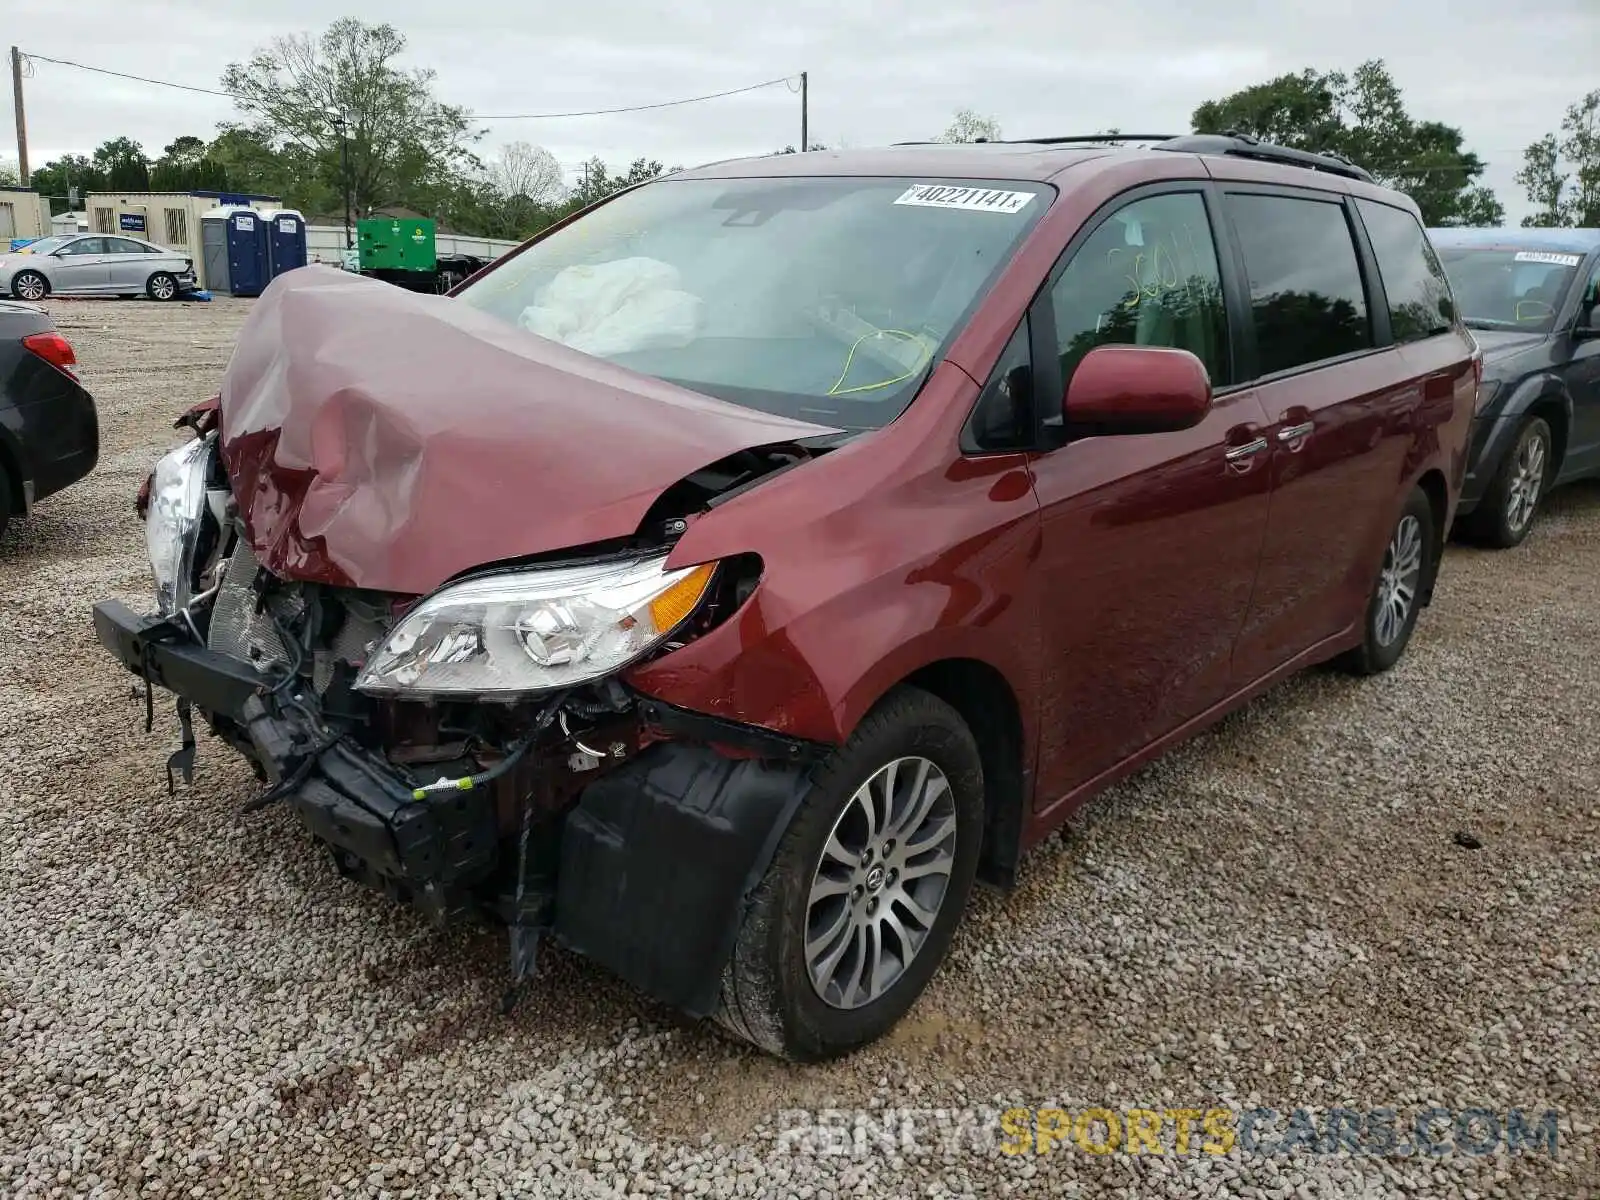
<point>1248,450</point>
<point>1295,433</point>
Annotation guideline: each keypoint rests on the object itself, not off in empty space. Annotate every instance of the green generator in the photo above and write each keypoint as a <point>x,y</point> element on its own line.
<point>398,251</point>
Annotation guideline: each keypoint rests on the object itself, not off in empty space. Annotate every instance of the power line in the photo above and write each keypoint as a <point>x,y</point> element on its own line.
<point>184,87</point>
<point>602,112</point>
<point>598,112</point>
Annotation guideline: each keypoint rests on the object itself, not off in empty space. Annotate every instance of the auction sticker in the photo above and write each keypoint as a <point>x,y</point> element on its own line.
<point>945,195</point>
<point>1548,258</point>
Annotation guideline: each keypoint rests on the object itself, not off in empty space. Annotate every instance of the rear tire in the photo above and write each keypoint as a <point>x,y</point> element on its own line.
<point>162,287</point>
<point>1409,560</point>
<point>1507,511</point>
<point>30,286</point>
<point>5,501</point>
<point>833,872</point>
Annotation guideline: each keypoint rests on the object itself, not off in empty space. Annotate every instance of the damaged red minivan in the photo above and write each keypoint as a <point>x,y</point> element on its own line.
<point>726,580</point>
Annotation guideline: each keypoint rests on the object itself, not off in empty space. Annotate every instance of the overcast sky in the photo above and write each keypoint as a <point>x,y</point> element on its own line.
<point>880,70</point>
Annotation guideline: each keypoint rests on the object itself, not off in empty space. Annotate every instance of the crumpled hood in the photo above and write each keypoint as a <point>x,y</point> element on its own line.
<point>383,439</point>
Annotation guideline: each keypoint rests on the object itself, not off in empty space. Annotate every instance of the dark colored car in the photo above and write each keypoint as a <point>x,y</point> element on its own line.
<point>49,432</point>
<point>1529,297</point>
<point>854,517</point>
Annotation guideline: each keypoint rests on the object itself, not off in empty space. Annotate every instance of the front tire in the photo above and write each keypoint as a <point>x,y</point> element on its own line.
<point>1506,514</point>
<point>162,287</point>
<point>29,285</point>
<point>869,881</point>
<point>1408,567</point>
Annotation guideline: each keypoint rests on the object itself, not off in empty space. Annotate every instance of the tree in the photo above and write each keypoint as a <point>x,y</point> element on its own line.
<point>527,172</point>
<point>123,164</point>
<point>1363,117</point>
<point>10,173</point>
<point>402,140</point>
<point>1555,160</point>
<point>789,149</point>
<point>968,126</point>
<point>69,171</point>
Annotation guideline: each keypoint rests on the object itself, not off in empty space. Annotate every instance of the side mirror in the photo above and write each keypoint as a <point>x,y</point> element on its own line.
<point>1588,325</point>
<point>1136,389</point>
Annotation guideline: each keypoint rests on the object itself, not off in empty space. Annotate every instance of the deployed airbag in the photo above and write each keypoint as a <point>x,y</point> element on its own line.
<point>616,307</point>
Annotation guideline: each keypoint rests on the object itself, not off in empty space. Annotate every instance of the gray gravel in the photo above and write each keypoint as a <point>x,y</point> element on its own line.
<point>1275,915</point>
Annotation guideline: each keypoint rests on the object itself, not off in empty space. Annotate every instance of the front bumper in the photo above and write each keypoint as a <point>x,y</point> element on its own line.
<point>648,873</point>
<point>434,852</point>
<point>1492,438</point>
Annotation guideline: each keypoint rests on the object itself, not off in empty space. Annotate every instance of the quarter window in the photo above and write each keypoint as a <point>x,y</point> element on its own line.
<point>1419,296</point>
<point>1307,301</point>
<point>1146,277</point>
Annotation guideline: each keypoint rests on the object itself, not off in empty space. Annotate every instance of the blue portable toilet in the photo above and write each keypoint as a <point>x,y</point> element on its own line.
<point>286,240</point>
<point>233,243</point>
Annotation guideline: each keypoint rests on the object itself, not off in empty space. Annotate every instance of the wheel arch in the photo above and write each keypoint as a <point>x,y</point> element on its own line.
<point>988,704</point>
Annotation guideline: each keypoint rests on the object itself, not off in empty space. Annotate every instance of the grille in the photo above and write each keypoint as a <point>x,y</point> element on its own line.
<point>237,629</point>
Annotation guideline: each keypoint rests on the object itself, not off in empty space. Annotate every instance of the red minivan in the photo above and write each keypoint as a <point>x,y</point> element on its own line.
<point>723,582</point>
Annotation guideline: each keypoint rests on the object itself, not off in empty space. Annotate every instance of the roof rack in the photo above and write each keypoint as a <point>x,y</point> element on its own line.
<point>1234,143</point>
<point>1090,139</point>
<point>1242,145</point>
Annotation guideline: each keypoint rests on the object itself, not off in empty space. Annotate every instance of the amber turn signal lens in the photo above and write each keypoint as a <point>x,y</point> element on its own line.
<point>678,601</point>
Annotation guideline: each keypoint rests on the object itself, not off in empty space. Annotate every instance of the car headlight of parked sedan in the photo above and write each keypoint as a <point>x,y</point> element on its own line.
<point>514,633</point>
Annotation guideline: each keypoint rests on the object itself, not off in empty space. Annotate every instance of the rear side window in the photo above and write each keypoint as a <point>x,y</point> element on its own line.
<point>1306,296</point>
<point>1419,296</point>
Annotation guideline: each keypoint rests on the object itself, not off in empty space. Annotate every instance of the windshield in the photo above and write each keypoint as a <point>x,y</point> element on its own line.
<point>45,245</point>
<point>822,299</point>
<point>1507,288</point>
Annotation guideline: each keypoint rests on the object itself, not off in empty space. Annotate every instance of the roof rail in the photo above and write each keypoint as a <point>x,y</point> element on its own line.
<point>1234,143</point>
<point>1241,145</point>
<point>1092,138</point>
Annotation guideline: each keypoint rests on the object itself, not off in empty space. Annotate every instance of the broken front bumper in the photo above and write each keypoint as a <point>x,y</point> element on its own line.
<point>648,873</point>
<point>434,849</point>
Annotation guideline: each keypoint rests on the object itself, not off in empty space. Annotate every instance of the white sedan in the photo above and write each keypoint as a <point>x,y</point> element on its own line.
<point>92,264</point>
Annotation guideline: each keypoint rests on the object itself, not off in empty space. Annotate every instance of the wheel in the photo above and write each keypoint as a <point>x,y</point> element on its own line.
<point>29,285</point>
<point>1408,562</point>
<point>1505,515</point>
<point>5,500</point>
<point>866,888</point>
<point>162,287</point>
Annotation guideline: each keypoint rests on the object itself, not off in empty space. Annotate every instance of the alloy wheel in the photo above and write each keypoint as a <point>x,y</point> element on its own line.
<point>30,287</point>
<point>880,882</point>
<point>1397,586</point>
<point>1527,481</point>
<point>163,288</point>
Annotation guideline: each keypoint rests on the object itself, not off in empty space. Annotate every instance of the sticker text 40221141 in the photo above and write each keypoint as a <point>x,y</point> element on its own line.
<point>980,199</point>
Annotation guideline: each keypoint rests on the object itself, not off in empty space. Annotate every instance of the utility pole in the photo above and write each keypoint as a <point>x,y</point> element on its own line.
<point>22,120</point>
<point>804,133</point>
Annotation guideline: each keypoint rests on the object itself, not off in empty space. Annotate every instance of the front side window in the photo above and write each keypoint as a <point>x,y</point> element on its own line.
<point>85,246</point>
<point>1506,287</point>
<point>1146,277</point>
<point>823,299</point>
<point>1306,296</point>
<point>1419,295</point>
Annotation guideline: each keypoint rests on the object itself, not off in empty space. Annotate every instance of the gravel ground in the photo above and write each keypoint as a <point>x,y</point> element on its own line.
<point>1278,915</point>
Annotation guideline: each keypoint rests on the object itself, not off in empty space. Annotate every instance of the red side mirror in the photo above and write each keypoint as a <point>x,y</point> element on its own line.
<point>1136,389</point>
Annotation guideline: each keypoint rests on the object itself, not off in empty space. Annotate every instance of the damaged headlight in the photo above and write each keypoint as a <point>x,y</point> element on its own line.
<point>506,635</point>
<point>172,524</point>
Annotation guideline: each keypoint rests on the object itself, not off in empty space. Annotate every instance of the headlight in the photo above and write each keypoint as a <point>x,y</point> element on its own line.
<point>177,500</point>
<point>1487,390</point>
<point>507,635</point>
